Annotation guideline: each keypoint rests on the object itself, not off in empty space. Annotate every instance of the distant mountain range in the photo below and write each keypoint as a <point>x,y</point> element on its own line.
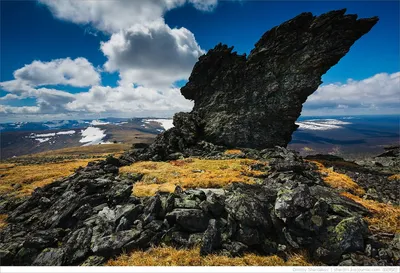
<point>23,138</point>
<point>349,136</point>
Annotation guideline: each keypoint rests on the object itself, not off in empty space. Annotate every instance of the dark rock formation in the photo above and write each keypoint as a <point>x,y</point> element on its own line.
<point>254,101</point>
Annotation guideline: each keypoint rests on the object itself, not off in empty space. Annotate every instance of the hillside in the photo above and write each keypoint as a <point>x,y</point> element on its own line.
<point>36,137</point>
<point>189,181</point>
<point>21,175</point>
<point>220,186</point>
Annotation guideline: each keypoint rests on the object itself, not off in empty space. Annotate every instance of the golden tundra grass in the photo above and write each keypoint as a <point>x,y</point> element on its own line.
<point>31,176</point>
<point>3,222</point>
<point>394,177</point>
<point>169,256</point>
<point>232,152</point>
<point>385,217</point>
<point>190,173</point>
<point>35,175</point>
<point>338,180</point>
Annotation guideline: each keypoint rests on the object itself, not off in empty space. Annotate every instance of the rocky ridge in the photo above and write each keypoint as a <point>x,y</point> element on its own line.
<point>91,216</point>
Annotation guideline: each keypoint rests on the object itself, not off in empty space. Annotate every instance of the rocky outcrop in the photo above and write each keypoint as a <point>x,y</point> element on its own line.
<point>253,101</point>
<point>91,216</point>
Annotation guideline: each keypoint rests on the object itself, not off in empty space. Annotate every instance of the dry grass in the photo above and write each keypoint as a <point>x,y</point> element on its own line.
<point>394,177</point>
<point>33,176</point>
<point>385,217</point>
<point>190,173</point>
<point>338,180</point>
<point>3,221</point>
<point>233,152</point>
<point>169,256</point>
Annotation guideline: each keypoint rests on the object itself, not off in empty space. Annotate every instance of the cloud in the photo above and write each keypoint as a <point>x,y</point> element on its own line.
<point>154,55</point>
<point>142,47</point>
<point>79,72</point>
<point>5,109</point>
<point>129,99</point>
<point>204,5</point>
<point>116,15</point>
<point>380,92</point>
<point>29,79</point>
<point>10,97</point>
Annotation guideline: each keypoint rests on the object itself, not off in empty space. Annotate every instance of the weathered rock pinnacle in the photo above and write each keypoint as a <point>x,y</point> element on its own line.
<point>254,101</point>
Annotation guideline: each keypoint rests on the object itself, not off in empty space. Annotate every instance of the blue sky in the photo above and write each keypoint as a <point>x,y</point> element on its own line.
<point>71,58</point>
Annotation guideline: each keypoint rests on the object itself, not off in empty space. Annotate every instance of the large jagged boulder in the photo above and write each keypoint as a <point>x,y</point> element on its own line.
<point>254,101</point>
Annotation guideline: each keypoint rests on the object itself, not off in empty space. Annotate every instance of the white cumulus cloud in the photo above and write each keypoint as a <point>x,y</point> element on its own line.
<point>136,101</point>
<point>113,16</point>
<point>79,72</point>
<point>154,55</point>
<point>380,92</point>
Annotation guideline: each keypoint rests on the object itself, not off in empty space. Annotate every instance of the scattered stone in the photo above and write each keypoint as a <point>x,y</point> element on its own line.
<point>211,239</point>
<point>193,220</point>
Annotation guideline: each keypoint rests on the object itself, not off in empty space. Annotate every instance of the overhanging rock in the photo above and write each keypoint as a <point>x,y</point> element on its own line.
<point>253,101</point>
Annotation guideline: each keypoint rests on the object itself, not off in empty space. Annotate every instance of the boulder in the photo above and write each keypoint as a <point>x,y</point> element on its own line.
<point>193,220</point>
<point>292,202</point>
<point>114,243</point>
<point>43,238</point>
<point>93,261</point>
<point>350,234</point>
<point>78,245</point>
<point>234,248</point>
<point>211,238</point>
<point>50,257</point>
<point>248,209</point>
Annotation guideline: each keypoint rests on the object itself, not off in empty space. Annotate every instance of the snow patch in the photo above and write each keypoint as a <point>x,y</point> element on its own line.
<point>43,135</point>
<point>71,132</point>
<point>99,122</point>
<point>92,136</point>
<point>41,140</point>
<point>165,123</point>
<point>120,123</point>
<point>321,124</point>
